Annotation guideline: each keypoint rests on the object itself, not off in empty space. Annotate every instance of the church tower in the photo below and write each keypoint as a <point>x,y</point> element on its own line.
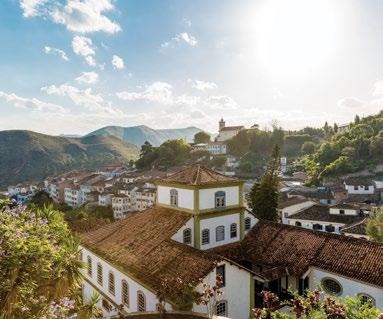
<point>214,203</point>
<point>221,124</point>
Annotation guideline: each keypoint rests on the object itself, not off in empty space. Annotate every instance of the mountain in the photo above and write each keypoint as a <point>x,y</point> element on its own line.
<point>137,135</point>
<point>26,155</point>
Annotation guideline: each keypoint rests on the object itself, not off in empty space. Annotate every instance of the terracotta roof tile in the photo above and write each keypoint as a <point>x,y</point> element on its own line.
<point>198,175</point>
<point>277,245</point>
<point>358,228</point>
<point>322,213</point>
<point>141,245</point>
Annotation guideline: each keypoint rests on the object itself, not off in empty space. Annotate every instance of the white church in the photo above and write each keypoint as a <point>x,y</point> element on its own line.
<point>199,228</point>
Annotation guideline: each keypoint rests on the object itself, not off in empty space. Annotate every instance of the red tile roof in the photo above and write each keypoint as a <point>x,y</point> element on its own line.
<point>198,175</point>
<point>141,245</point>
<point>276,245</point>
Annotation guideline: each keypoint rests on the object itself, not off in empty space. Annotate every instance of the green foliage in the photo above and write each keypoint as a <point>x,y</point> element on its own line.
<point>34,156</point>
<point>312,306</point>
<point>148,155</point>
<point>294,144</point>
<point>239,144</point>
<point>341,165</point>
<point>375,226</point>
<point>308,148</point>
<point>359,147</point>
<point>201,137</point>
<point>219,161</point>
<point>264,197</point>
<point>39,261</point>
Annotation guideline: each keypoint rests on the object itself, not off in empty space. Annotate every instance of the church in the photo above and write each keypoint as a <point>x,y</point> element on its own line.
<point>198,229</point>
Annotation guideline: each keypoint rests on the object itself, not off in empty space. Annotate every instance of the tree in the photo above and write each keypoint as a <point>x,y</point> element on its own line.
<point>201,137</point>
<point>375,226</point>
<point>39,263</point>
<point>264,197</point>
<point>336,128</point>
<point>148,155</point>
<point>219,161</point>
<point>308,148</point>
<point>239,144</point>
<point>173,152</point>
<point>90,309</point>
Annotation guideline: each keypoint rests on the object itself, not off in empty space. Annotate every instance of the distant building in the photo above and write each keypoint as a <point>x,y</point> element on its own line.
<point>227,132</point>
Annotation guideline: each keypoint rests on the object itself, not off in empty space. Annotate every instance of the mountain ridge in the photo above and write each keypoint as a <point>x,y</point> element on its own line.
<point>27,155</point>
<point>139,134</point>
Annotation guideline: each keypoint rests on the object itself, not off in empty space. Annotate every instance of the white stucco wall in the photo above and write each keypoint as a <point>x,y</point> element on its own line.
<point>207,198</point>
<point>178,236</point>
<point>212,223</point>
<point>134,287</point>
<point>350,287</point>
<point>309,224</point>
<point>253,220</point>
<point>360,190</point>
<point>236,291</point>
<point>287,211</point>
<point>350,212</point>
<point>185,196</point>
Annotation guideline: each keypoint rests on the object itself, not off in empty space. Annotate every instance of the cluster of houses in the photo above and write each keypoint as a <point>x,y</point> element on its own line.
<point>199,228</point>
<point>116,186</point>
<point>342,209</point>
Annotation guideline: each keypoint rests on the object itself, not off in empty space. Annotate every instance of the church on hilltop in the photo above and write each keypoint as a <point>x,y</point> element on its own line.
<point>227,132</point>
<point>199,229</point>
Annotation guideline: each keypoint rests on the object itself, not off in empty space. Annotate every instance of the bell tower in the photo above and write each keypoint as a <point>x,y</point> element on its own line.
<point>221,124</point>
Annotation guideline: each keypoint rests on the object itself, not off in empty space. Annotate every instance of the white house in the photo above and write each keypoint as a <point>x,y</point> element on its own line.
<point>227,132</point>
<point>323,218</point>
<point>199,229</point>
<point>292,205</point>
<point>359,186</point>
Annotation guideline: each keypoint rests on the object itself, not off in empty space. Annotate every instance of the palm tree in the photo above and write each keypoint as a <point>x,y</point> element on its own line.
<point>90,309</point>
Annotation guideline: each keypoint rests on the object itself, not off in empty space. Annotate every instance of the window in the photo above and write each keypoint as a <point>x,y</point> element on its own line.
<point>299,224</point>
<point>366,188</point>
<point>81,255</point>
<point>106,305</point>
<point>364,298</point>
<point>173,198</point>
<point>233,230</point>
<point>317,227</point>
<point>221,308</point>
<point>341,211</point>
<point>331,286</point>
<point>356,187</point>
<point>220,233</point>
<point>247,223</point>
<point>286,215</point>
<point>330,228</point>
<point>89,266</point>
<point>111,283</point>
<point>220,271</point>
<point>220,199</point>
<point>125,293</point>
<point>187,236</point>
<point>205,236</point>
<point>99,273</point>
<point>141,302</point>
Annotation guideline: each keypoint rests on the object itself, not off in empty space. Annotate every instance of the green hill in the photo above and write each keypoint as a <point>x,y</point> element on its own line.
<point>138,135</point>
<point>26,155</point>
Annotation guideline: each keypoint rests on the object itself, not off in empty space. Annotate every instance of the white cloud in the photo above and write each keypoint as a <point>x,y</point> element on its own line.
<point>186,37</point>
<point>33,103</point>
<point>55,51</point>
<point>223,102</point>
<point>377,90</point>
<point>202,85</point>
<point>118,63</point>
<point>350,102</point>
<point>85,16</point>
<point>31,7</point>
<point>87,77</point>
<point>83,46</point>
<point>180,37</point>
<point>84,98</point>
<point>158,92</point>
<point>187,22</point>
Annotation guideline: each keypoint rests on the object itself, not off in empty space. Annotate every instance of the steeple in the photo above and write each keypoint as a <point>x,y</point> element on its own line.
<point>221,124</point>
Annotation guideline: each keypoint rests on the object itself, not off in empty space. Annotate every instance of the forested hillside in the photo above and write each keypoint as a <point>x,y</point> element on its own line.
<point>26,155</point>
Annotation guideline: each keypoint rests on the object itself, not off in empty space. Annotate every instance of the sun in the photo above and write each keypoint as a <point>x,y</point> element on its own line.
<point>295,37</point>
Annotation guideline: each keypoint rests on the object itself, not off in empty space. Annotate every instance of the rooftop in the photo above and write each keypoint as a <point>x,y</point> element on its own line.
<point>141,245</point>
<point>295,249</point>
<point>232,128</point>
<point>198,175</point>
<point>322,213</point>
<point>358,228</point>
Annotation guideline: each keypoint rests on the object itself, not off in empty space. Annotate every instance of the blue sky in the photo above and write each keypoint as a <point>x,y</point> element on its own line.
<point>72,66</point>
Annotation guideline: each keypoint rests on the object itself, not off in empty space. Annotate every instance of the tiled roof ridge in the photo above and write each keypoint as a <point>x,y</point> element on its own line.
<point>355,224</point>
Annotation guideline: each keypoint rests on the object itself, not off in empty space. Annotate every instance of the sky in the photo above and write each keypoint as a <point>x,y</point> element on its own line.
<point>73,66</point>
